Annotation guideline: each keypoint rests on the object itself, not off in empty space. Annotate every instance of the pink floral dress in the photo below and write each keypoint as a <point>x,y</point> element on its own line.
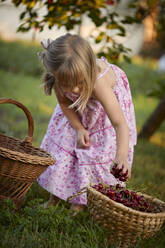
<point>76,168</point>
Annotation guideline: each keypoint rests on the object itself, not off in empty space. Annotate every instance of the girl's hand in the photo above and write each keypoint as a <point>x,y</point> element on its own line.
<point>123,164</point>
<point>83,140</point>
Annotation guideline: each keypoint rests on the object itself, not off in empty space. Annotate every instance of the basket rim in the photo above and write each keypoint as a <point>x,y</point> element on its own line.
<point>127,209</point>
<point>25,157</point>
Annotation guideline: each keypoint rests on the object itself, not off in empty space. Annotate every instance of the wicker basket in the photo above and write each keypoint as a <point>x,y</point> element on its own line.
<point>125,224</point>
<point>20,162</point>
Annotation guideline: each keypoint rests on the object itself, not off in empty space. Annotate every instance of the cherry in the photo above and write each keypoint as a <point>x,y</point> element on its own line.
<point>125,174</point>
<point>118,186</point>
<point>111,193</point>
<point>50,1</point>
<point>128,204</point>
<point>134,194</point>
<point>100,186</point>
<point>117,173</point>
<point>96,187</point>
<point>114,198</point>
<point>127,192</point>
<point>110,2</point>
<point>128,198</point>
<point>122,178</point>
<point>119,200</point>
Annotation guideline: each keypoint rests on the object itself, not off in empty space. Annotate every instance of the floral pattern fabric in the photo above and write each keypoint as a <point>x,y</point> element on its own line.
<point>76,168</point>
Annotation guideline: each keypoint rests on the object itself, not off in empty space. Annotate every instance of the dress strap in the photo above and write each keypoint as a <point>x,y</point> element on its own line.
<point>107,69</point>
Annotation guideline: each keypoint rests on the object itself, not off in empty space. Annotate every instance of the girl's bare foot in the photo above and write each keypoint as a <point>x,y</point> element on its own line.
<point>53,200</point>
<point>77,208</point>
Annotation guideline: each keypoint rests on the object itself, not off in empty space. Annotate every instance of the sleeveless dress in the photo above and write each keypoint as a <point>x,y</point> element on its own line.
<point>76,168</point>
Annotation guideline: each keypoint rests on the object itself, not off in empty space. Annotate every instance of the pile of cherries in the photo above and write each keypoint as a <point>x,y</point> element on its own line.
<point>128,198</point>
<point>117,173</point>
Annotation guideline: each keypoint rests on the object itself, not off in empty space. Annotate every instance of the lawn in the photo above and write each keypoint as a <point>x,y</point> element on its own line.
<point>34,226</point>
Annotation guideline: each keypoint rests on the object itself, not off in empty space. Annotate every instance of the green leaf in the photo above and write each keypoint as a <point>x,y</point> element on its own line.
<point>22,15</point>
<point>129,20</point>
<point>127,59</point>
<point>100,37</point>
<point>122,29</point>
<point>22,29</point>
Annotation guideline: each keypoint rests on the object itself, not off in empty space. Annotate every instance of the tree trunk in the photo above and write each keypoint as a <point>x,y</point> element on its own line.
<point>154,121</point>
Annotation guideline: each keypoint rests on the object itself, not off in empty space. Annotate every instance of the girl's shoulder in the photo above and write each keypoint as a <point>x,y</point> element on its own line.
<point>105,73</point>
<point>107,65</point>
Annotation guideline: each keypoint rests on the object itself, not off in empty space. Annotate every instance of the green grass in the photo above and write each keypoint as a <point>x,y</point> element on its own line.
<point>142,76</point>
<point>20,57</point>
<point>27,90</point>
<point>34,226</point>
<point>53,227</point>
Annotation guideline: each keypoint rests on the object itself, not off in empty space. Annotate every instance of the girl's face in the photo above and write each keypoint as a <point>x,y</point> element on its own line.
<point>75,90</point>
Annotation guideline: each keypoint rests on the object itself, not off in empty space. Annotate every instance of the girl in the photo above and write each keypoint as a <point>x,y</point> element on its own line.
<point>93,124</point>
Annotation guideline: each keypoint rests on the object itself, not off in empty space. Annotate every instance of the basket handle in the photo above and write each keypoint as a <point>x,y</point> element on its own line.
<point>28,138</point>
<point>83,190</point>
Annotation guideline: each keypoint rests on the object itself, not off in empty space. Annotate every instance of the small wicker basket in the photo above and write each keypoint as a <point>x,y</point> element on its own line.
<point>20,162</point>
<point>125,224</point>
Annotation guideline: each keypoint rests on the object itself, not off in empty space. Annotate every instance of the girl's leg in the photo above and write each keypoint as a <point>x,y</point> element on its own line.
<point>77,208</point>
<point>53,200</point>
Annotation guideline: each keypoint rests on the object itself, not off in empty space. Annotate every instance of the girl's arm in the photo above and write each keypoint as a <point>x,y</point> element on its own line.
<point>104,94</point>
<point>83,140</point>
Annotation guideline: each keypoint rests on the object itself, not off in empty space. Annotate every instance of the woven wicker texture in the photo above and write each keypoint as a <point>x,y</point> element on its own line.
<point>125,224</point>
<point>20,162</point>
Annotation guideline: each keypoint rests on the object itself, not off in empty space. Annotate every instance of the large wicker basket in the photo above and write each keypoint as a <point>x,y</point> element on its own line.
<point>20,162</point>
<point>124,224</point>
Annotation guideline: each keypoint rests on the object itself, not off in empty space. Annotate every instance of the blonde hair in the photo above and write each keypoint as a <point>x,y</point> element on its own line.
<point>70,62</point>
